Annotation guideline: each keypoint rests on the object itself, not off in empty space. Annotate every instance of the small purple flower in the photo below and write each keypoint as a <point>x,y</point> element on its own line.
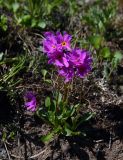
<point>81,61</point>
<point>64,41</point>
<point>50,43</point>
<point>56,42</point>
<point>66,72</point>
<point>77,57</point>
<point>59,59</point>
<point>30,101</point>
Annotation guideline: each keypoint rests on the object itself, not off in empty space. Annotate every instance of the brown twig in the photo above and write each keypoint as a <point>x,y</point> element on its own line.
<point>12,155</point>
<point>36,155</point>
<point>7,151</point>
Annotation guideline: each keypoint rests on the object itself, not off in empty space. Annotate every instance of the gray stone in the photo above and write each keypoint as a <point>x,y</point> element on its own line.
<point>3,154</point>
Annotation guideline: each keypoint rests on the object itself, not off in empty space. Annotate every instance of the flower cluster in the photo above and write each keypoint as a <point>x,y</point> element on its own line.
<point>70,62</point>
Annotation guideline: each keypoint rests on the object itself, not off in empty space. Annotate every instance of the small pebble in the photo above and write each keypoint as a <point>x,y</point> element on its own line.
<point>3,154</point>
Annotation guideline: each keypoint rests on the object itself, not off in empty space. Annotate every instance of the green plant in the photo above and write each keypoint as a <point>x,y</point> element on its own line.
<point>41,13</point>
<point>45,73</point>
<point>8,134</point>
<point>14,67</point>
<point>104,57</point>
<point>64,118</point>
<point>115,60</point>
<point>3,22</point>
<point>100,16</point>
<point>32,13</point>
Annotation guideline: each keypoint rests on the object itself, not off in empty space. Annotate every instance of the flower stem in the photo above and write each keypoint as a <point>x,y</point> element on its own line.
<point>66,94</point>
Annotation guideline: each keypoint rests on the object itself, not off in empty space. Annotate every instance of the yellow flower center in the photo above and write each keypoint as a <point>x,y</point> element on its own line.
<point>53,46</point>
<point>63,43</point>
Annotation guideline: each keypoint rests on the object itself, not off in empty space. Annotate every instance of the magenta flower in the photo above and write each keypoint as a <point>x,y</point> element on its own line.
<point>77,57</point>
<point>50,43</point>
<point>79,65</point>
<point>69,62</point>
<point>30,101</point>
<point>81,61</point>
<point>64,41</point>
<point>56,43</point>
<point>59,59</point>
<point>66,72</point>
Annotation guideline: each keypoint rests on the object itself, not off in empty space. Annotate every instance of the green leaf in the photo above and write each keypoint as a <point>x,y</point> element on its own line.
<point>15,6</point>
<point>44,72</point>
<point>5,27</point>
<point>48,81</point>
<point>12,135</point>
<point>4,136</point>
<point>51,117</point>
<point>101,26</point>
<point>47,102</point>
<point>3,22</point>
<point>85,117</point>
<point>116,59</point>
<point>59,97</point>
<point>68,132</point>
<point>54,103</point>
<point>26,19</point>
<point>72,111</point>
<point>96,41</point>
<point>33,23</point>
<point>47,138</point>
<point>105,52</point>
<point>118,56</point>
<point>42,24</point>
<point>49,8</point>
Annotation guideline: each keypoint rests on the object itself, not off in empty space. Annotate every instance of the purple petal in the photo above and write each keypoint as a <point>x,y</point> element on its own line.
<point>65,62</point>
